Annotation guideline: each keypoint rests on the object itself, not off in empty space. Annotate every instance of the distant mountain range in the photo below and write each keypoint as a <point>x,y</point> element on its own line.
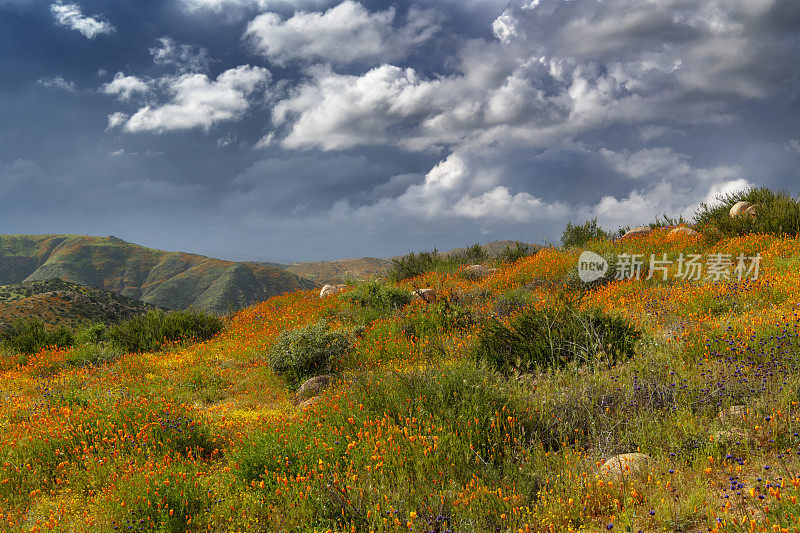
<point>173,280</point>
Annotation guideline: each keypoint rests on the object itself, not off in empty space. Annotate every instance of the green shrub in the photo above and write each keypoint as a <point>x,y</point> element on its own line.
<point>30,335</point>
<point>378,295</point>
<point>415,264</point>
<point>92,334</point>
<point>309,351</point>
<point>579,236</point>
<point>470,256</point>
<point>776,212</point>
<point>150,332</point>
<point>517,252</point>
<point>540,339</point>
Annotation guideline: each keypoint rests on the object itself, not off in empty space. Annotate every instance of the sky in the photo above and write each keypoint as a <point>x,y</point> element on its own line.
<point>288,130</point>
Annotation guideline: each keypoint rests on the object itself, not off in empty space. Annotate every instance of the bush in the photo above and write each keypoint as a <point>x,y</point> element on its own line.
<point>150,332</point>
<point>309,351</point>
<point>472,255</point>
<point>377,295</point>
<point>30,335</point>
<point>579,236</point>
<point>517,252</point>
<point>415,264</point>
<point>540,339</point>
<point>776,213</point>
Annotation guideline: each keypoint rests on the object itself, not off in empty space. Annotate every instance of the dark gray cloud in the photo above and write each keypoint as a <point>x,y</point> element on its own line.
<point>313,129</point>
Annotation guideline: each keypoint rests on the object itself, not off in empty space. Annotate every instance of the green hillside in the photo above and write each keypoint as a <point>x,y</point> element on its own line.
<point>56,302</point>
<point>173,280</point>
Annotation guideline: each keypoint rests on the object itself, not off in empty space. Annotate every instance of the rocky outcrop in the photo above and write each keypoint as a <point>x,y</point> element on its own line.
<point>683,231</point>
<point>743,209</point>
<point>313,387</point>
<point>625,465</point>
<point>427,295</point>
<point>637,232</point>
<point>330,290</point>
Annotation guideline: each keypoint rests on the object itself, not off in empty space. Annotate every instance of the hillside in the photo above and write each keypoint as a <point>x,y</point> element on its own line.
<point>57,302</point>
<point>173,280</point>
<point>445,415</point>
<point>341,270</point>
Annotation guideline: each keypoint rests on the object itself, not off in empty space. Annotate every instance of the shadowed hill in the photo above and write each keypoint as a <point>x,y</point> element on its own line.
<point>57,302</point>
<point>173,280</point>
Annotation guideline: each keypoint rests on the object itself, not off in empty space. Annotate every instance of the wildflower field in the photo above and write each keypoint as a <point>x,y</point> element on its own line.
<point>422,431</point>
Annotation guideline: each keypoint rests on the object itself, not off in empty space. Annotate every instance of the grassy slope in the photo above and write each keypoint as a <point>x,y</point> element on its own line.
<point>205,438</point>
<point>164,279</point>
<point>58,302</point>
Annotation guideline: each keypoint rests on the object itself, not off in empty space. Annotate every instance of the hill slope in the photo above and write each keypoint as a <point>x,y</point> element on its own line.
<point>172,280</point>
<point>339,270</point>
<point>58,302</point>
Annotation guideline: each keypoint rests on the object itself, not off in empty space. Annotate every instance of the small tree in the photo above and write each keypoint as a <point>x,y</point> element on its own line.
<point>578,236</point>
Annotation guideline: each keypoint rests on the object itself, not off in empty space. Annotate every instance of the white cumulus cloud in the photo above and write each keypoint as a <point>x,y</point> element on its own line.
<point>195,100</point>
<point>345,33</point>
<point>125,87</point>
<point>70,16</point>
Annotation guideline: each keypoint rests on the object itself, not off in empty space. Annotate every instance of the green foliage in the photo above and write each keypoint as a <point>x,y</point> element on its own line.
<point>372,300</point>
<point>92,334</point>
<point>415,264</point>
<point>578,236</point>
<point>517,252</point>
<point>443,315</point>
<point>309,351</point>
<point>776,213</point>
<point>150,332</point>
<point>463,397</point>
<point>473,255</point>
<point>378,295</point>
<point>668,222</point>
<point>28,336</point>
<point>552,338</point>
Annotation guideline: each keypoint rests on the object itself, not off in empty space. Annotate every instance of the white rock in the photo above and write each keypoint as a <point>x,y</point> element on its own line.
<point>743,208</point>
<point>328,290</point>
<point>637,232</point>
<point>683,230</point>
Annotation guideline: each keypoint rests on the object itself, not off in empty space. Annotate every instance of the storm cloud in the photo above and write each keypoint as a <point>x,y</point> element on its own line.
<point>311,129</point>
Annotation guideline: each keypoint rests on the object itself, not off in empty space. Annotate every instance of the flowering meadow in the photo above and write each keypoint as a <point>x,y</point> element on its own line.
<point>416,434</point>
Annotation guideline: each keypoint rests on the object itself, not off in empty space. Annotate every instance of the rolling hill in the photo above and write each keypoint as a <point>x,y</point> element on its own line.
<point>340,270</point>
<point>57,302</point>
<point>173,280</point>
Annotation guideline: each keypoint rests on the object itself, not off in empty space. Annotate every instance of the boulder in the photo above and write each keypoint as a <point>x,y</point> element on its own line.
<point>627,465</point>
<point>743,209</point>
<point>313,387</point>
<point>427,295</point>
<point>305,404</point>
<point>328,290</point>
<point>477,271</point>
<point>637,232</point>
<point>684,231</point>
